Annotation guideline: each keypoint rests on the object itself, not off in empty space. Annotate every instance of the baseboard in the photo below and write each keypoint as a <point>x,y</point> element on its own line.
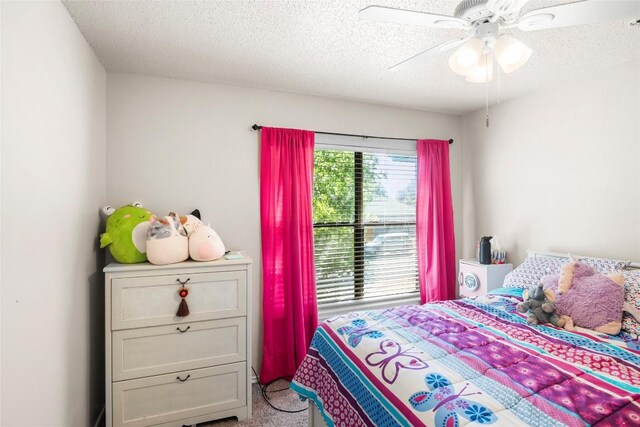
<point>100,416</point>
<point>254,379</point>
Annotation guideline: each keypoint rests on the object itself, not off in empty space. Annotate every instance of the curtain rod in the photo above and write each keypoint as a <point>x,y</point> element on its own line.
<point>258,127</point>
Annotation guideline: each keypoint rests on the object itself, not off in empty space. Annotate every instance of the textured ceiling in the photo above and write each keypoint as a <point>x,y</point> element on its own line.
<point>320,47</point>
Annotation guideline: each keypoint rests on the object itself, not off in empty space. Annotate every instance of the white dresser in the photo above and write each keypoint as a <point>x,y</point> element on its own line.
<point>163,370</point>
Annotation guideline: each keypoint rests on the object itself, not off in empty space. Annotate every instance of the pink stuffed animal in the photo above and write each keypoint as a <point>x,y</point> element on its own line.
<point>589,299</point>
<point>204,242</point>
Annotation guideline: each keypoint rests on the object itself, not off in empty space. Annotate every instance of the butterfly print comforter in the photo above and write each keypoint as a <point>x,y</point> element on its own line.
<point>467,362</point>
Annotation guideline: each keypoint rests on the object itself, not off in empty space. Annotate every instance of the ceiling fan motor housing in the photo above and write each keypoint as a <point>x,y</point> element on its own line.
<point>473,10</point>
<point>479,11</point>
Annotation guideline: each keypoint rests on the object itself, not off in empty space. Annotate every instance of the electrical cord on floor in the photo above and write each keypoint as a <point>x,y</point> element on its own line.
<point>264,389</point>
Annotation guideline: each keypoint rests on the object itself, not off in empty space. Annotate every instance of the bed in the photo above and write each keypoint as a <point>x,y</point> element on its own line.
<point>469,361</point>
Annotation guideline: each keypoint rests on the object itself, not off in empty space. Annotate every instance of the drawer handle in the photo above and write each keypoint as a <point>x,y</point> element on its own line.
<point>185,282</point>
<point>183,380</point>
<point>186,329</point>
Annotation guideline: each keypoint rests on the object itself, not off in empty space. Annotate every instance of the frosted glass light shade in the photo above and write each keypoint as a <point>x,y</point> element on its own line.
<point>483,71</point>
<point>466,56</point>
<point>511,54</point>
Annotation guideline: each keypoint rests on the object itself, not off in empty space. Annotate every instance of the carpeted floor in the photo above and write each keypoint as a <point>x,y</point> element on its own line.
<point>265,416</point>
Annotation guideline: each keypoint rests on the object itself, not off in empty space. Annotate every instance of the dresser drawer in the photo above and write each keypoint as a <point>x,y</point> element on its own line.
<point>154,300</point>
<point>160,349</point>
<point>164,398</point>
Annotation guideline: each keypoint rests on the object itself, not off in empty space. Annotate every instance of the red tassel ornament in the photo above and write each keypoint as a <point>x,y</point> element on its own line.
<point>183,308</point>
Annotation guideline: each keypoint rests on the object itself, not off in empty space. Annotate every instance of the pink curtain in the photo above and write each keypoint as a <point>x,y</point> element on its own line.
<point>289,308</point>
<point>434,223</point>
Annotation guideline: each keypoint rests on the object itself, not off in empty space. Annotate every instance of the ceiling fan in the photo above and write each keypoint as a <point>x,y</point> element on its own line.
<point>487,23</point>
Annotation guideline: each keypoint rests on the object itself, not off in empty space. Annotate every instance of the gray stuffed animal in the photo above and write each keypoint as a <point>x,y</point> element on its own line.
<point>541,309</point>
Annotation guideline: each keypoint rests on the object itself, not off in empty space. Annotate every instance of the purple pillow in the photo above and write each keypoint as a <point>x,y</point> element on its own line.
<point>593,300</point>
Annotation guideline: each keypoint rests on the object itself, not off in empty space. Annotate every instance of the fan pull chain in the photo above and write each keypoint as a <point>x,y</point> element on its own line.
<point>499,87</point>
<point>486,99</point>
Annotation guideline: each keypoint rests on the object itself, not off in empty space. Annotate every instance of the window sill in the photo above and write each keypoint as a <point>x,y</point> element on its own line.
<point>336,309</point>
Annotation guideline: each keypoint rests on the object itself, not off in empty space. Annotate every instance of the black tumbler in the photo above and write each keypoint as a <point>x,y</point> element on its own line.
<point>484,254</point>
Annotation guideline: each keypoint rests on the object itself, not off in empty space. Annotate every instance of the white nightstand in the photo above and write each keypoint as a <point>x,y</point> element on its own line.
<point>477,279</point>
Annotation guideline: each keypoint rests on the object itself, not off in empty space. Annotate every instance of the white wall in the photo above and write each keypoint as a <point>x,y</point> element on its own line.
<point>558,169</point>
<point>178,145</point>
<point>53,179</point>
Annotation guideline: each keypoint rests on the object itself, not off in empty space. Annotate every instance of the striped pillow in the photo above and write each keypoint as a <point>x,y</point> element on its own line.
<point>529,273</point>
<point>631,295</point>
<point>605,265</point>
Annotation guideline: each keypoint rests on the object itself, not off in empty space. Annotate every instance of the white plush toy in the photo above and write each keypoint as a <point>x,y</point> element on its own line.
<point>190,222</point>
<point>167,241</point>
<point>204,242</point>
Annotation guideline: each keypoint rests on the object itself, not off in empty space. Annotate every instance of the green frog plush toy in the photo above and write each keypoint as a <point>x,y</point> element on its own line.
<point>126,232</point>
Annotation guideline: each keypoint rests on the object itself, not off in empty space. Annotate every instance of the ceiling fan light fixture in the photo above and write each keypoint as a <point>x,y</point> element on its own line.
<point>511,54</point>
<point>483,71</point>
<point>466,56</point>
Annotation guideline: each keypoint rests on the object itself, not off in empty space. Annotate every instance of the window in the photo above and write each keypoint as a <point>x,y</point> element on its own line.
<point>364,213</point>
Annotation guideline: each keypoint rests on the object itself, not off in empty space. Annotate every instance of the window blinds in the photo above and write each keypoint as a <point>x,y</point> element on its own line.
<point>364,209</point>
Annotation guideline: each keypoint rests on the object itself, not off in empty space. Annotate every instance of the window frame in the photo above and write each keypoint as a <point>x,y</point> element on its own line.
<point>359,226</point>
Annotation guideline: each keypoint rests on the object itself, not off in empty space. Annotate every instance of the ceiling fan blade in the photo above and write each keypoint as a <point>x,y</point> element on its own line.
<point>579,13</point>
<point>402,16</point>
<point>425,56</point>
